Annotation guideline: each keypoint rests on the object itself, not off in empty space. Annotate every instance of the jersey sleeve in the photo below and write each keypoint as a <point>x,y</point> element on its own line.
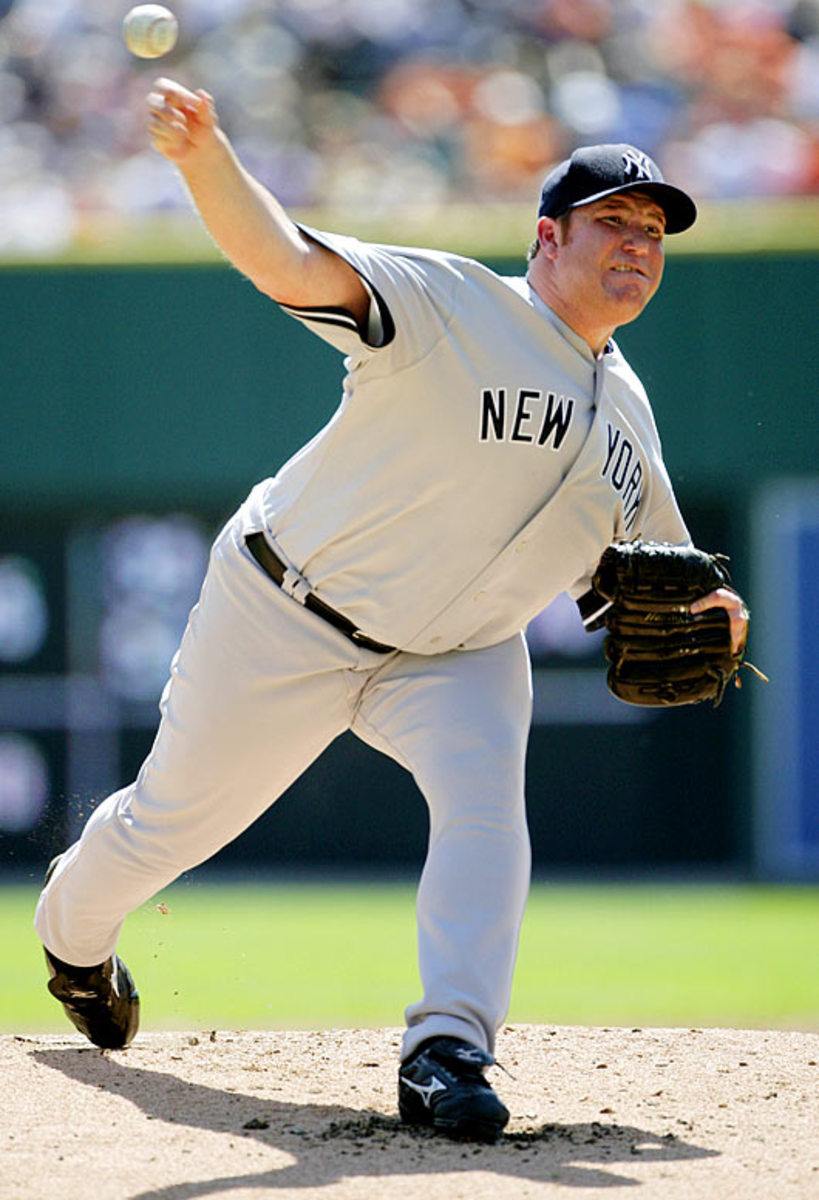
<point>664,523</point>
<point>412,297</point>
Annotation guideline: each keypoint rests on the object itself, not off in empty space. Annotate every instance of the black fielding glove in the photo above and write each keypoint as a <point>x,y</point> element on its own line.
<point>660,653</point>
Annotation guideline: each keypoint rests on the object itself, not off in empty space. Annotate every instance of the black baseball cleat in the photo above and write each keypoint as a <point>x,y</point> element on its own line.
<point>443,1085</point>
<point>102,1001</point>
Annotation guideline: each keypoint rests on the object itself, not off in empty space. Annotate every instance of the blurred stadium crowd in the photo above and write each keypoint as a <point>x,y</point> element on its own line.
<point>373,104</point>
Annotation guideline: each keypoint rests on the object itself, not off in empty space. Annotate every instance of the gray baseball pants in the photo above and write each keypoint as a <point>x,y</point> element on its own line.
<point>259,687</point>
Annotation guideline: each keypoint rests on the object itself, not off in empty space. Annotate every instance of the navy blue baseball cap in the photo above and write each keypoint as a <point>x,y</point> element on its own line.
<point>593,172</point>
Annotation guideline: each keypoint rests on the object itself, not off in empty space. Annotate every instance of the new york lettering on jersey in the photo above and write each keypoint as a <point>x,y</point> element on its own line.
<point>624,470</point>
<point>529,415</point>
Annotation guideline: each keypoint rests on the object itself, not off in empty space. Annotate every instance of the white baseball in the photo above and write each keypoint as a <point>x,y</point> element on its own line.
<point>150,30</point>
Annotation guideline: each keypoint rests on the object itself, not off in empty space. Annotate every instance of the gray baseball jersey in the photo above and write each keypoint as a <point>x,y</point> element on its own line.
<point>480,461</point>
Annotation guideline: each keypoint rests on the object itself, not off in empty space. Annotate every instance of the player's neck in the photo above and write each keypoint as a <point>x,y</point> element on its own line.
<point>596,338</point>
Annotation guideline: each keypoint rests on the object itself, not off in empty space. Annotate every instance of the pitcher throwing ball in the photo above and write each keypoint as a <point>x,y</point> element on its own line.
<point>490,443</point>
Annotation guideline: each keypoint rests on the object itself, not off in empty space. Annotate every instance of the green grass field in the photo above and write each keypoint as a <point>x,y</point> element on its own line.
<point>343,955</point>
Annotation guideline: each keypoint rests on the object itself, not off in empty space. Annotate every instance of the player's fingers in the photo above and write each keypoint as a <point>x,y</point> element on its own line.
<point>168,129</point>
<point>721,598</point>
<point>163,119</point>
<point>165,128</point>
<point>171,105</point>
<point>206,108</point>
<point>176,94</point>
<point>162,110</point>
<point>734,606</point>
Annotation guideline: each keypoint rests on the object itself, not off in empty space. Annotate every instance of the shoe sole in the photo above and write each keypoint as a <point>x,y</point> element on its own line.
<point>458,1128</point>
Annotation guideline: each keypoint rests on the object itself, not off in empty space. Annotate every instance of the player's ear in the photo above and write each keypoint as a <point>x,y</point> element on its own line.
<point>548,236</point>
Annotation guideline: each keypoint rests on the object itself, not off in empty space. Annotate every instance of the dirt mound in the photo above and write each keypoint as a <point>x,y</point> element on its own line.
<point>683,1113</point>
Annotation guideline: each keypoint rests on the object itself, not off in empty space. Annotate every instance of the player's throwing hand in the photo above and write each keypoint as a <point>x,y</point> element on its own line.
<point>180,120</point>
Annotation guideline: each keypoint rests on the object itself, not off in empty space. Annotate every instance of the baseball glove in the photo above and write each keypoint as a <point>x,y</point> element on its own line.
<point>660,653</point>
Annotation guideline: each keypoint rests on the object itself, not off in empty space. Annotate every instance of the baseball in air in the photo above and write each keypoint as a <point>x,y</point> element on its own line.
<point>150,30</point>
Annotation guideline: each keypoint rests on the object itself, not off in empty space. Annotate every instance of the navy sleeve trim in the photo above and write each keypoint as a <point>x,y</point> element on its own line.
<point>344,319</point>
<point>324,316</point>
<point>387,323</point>
<point>593,608</point>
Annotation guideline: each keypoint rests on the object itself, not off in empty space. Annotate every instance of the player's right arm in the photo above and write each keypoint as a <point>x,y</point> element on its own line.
<point>244,219</point>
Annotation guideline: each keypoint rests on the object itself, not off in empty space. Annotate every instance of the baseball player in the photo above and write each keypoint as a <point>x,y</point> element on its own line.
<point>490,442</point>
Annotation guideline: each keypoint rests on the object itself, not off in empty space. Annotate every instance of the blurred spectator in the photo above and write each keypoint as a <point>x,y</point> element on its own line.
<point>370,104</point>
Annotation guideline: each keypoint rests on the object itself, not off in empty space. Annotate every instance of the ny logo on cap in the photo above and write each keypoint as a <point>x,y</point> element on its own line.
<point>636,165</point>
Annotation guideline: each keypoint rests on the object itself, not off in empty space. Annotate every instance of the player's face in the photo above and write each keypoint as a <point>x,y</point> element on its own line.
<point>608,262</point>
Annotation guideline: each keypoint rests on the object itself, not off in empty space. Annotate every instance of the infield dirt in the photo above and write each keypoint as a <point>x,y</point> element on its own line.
<point>664,1114</point>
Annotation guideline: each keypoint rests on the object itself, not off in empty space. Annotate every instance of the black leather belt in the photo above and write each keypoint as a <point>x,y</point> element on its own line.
<point>272,565</point>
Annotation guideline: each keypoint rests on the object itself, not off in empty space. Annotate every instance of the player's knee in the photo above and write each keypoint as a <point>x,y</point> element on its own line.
<point>476,787</point>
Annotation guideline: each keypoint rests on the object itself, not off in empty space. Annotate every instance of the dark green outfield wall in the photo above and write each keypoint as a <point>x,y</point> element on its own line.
<point>727,351</point>
<point>176,384</point>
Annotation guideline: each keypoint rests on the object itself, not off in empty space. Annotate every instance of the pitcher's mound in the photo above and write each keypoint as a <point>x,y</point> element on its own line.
<point>677,1114</point>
